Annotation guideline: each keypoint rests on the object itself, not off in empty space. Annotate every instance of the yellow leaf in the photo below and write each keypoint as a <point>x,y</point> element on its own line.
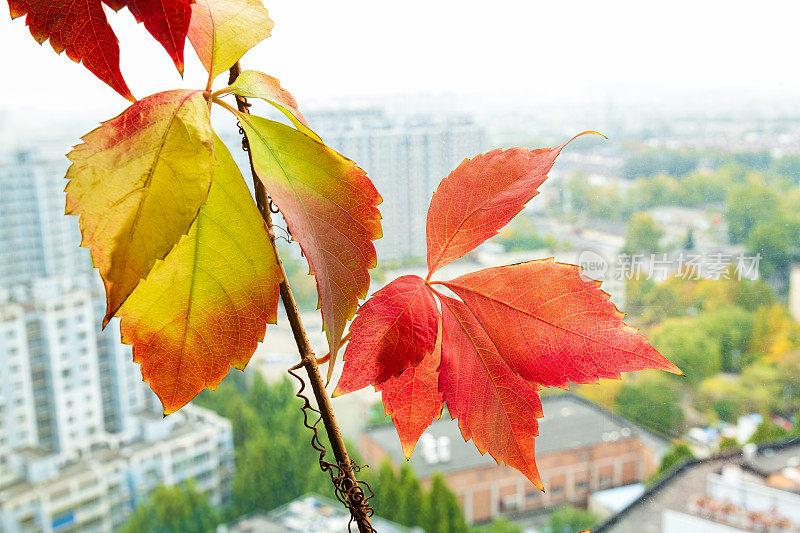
<point>205,307</point>
<point>137,183</point>
<point>222,31</point>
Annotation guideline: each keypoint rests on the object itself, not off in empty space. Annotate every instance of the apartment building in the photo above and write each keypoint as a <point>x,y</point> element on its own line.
<point>82,438</point>
<point>95,490</point>
<point>36,239</point>
<point>581,448</point>
<point>406,159</point>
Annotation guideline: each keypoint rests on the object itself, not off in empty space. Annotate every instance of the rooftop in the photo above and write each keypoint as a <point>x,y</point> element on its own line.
<point>692,489</point>
<point>569,422</point>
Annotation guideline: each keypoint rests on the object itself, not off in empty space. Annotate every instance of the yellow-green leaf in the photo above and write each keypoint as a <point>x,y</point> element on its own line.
<point>254,84</point>
<point>329,205</point>
<point>222,31</point>
<point>137,183</point>
<point>205,307</point>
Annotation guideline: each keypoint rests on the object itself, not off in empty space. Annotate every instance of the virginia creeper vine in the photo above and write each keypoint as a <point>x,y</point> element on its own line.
<point>190,265</point>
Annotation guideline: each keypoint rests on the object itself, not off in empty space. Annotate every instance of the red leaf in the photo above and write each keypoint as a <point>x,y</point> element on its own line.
<point>495,408</point>
<point>413,399</point>
<point>481,196</point>
<point>80,28</point>
<point>518,327</point>
<point>167,21</point>
<point>551,326</point>
<point>393,330</point>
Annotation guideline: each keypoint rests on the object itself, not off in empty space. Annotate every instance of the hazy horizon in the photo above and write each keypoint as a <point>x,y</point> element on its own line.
<point>580,52</point>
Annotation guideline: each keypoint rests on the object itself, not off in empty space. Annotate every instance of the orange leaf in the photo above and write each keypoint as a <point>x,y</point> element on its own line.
<point>330,207</point>
<point>481,196</point>
<point>393,330</point>
<point>552,326</point>
<point>515,328</point>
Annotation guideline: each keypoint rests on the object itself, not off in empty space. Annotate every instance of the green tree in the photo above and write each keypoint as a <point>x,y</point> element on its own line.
<point>407,506</point>
<point>178,509</point>
<point>733,328</point>
<point>569,519</point>
<point>768,431</point>
<point>748,204</point>
<point>773,240</point>
<point>386,487</point>
<point>695,351</point>
<point>643,235</point>
<point>270,439</point>
<point>521,235</point>
<point>653,402</point>
<point>498,525</point>
<point>728,443</point>
<point>677,454</point>
<point>441,512</point>
<point>789,167</point>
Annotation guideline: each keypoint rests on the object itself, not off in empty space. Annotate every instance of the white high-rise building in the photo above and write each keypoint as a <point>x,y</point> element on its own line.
<point>406,160</point>
<point>17,412</point>
<point>82,439</point>
<point>36,239</point>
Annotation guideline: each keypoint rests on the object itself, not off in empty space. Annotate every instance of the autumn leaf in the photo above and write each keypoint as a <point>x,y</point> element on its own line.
<point>330,207</point>
<point>166,20</point>
<point>393,330</point>
<point>413,399</point>
<point>205,307</point>
<point>79,28</point>
<point>481,196</point>
<point>515,328</point>
<point>552,326</point>
<point>253,84</point>
<point>137,183</point>
<point>495,407</point>
<point>221,31</point>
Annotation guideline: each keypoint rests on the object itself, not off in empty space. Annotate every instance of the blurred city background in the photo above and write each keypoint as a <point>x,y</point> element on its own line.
<point>689,213</point>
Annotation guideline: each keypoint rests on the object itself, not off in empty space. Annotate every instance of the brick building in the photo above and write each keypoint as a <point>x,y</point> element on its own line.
<point>582,448</point>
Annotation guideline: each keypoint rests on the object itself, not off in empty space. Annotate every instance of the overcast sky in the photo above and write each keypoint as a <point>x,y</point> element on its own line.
<point>557,50</point>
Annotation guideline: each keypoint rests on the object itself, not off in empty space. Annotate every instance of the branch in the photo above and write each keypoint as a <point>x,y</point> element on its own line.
<point>356,502</point>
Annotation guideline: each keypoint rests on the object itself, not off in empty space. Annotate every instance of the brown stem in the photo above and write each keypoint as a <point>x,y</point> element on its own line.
<point>358,506</point>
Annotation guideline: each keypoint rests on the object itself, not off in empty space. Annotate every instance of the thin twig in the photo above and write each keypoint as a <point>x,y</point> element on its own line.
<point>356,500</point>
